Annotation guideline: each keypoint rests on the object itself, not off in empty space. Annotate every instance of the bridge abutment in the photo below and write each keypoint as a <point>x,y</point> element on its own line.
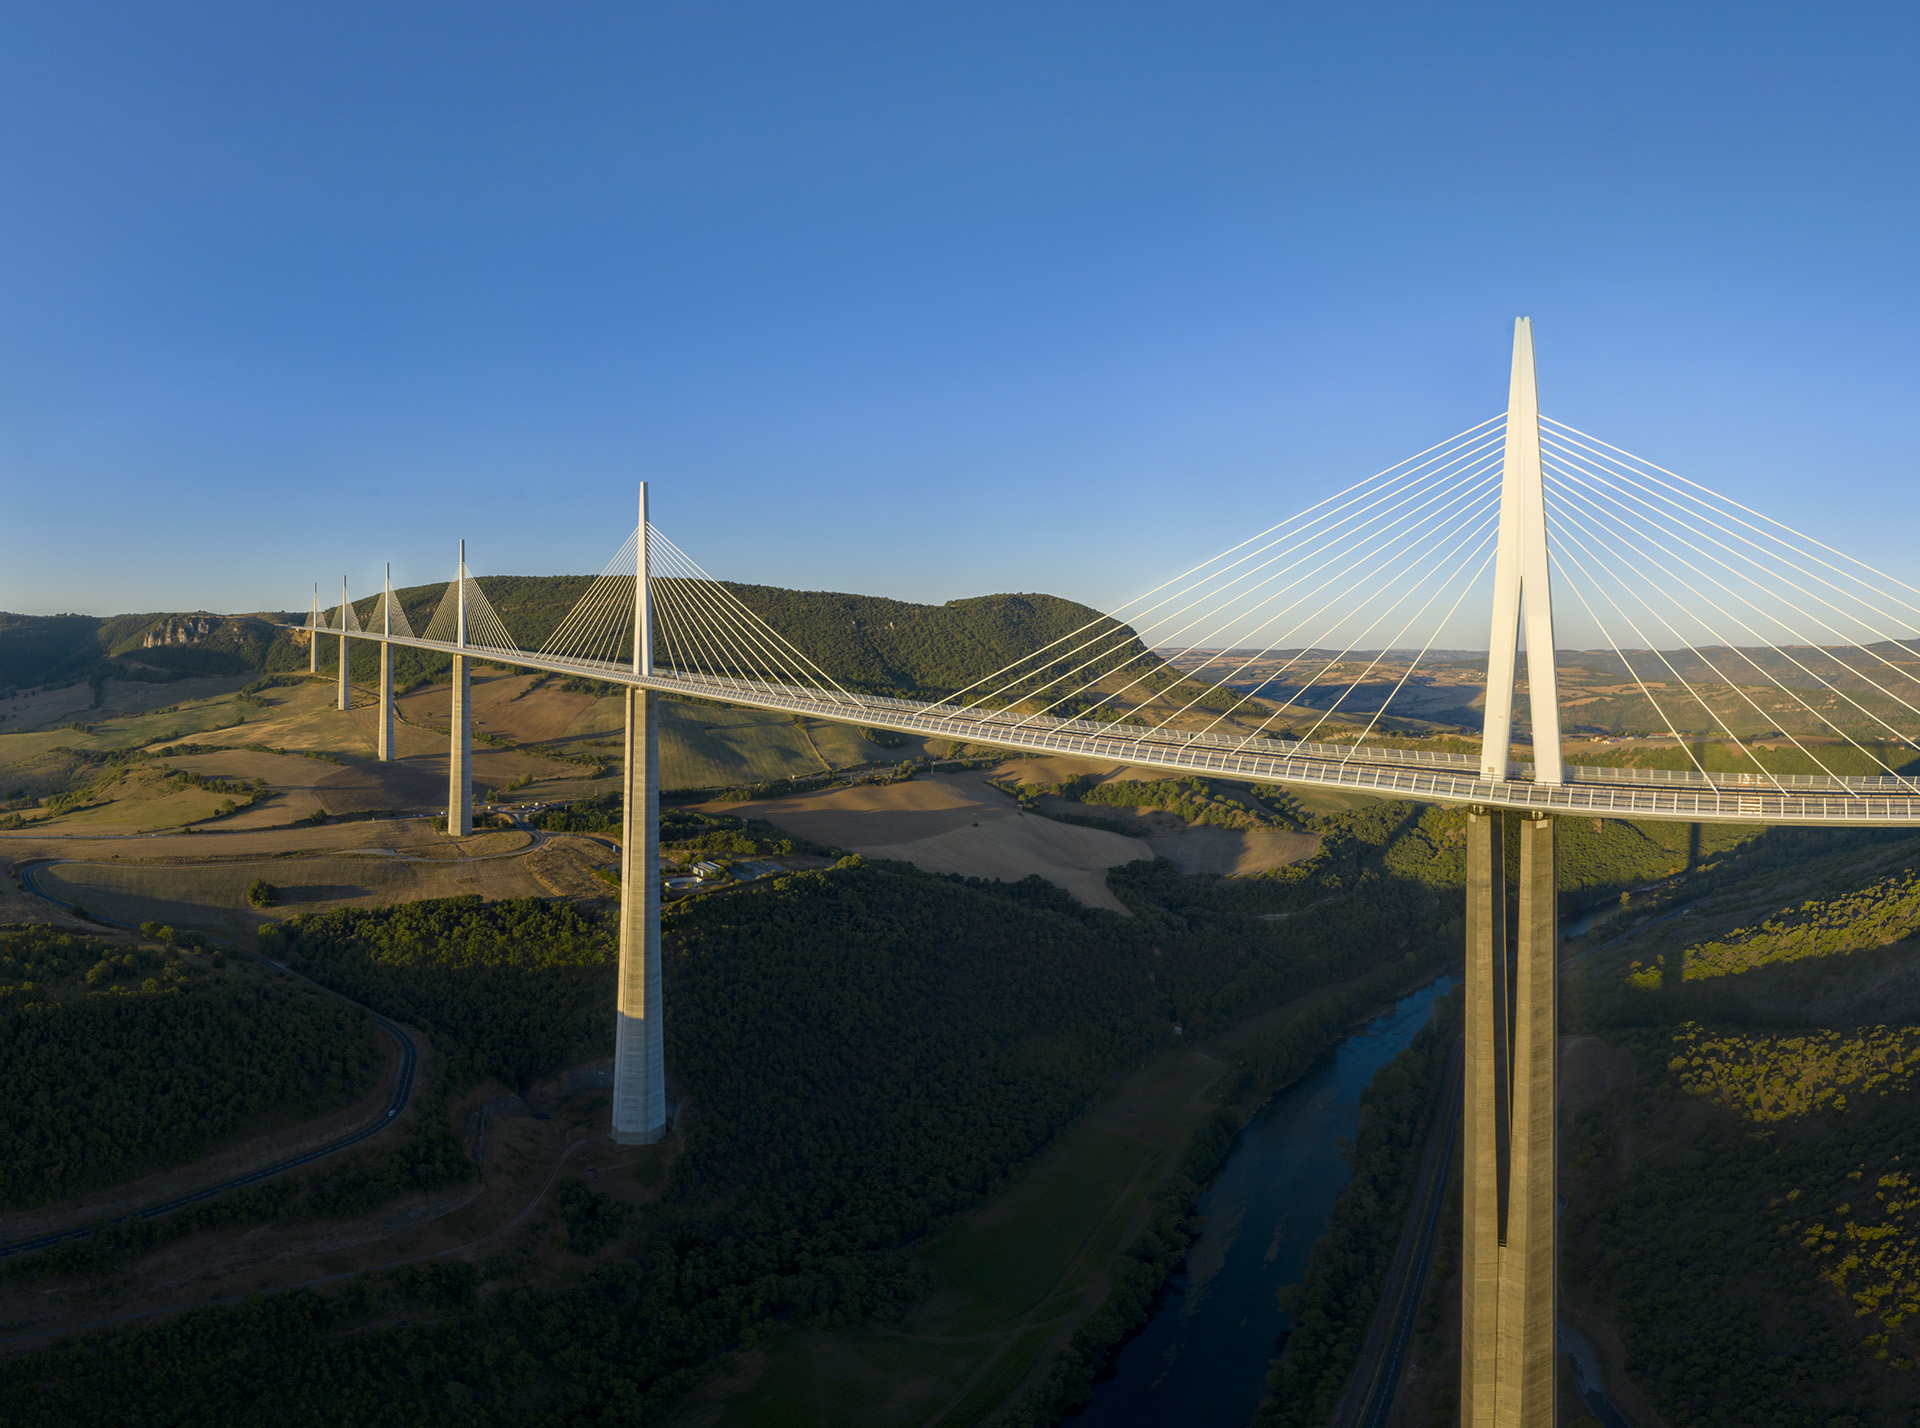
<point>1508,1246</point>
<point>639,1063</point>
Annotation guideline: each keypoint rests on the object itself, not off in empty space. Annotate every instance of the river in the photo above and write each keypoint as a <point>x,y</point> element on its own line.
<point>1202,1359</point>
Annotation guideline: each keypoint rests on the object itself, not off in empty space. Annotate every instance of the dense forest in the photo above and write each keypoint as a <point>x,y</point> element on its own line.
<point>1761,1253</point>
<point>1742,1212</point>
<point>1333,1305</point>
<point>115,1061</point>
<point>1883,912</point>
<point>866,642</point>
<point>509,989</point>
<point>869,1048</point>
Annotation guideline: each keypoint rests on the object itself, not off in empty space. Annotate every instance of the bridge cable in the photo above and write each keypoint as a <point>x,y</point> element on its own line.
<point>1492,530</point>
<point>1228,681</point>
<point>1554,553</point>
<point>1387,477</point>
<point>1480,469</point>
<point>1562,521</point>
<point>1413,536</point>
<point>1465,589</point>
<point>1385,533</point>
<point>1488,511</point>
<point>755,628</point>
<point>1383,556</point>
<point>1772,569</point>
<point>1659,530</point>
<point>1757,514</point>
<point>1404,494</point>
<point>1601,513</point>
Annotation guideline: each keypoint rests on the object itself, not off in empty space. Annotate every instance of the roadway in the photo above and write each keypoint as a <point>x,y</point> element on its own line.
<point>1383,772</point>
<point>1368,1401</point>
<point>402,1094</point>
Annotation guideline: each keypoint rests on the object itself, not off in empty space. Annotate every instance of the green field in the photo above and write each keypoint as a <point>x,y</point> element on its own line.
<point>706,746</point>
<point>211,897</point>
<point>702,746</point>
<point>1007,1279</point>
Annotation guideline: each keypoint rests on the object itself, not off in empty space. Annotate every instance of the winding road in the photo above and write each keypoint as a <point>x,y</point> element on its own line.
<point>402,1093</point>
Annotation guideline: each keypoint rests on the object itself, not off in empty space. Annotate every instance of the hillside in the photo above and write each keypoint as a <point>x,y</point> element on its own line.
<point>866,642</point>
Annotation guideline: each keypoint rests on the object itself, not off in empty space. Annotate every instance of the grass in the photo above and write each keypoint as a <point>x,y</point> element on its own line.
<point>1007,1264</point>
<point>212,896</point>
<point>1324,800</point>
<point>1009,1276</point>
<point>133,809</point>
<point>807,1382</point>
<point>1002,1378</point>
<point>702,746</point>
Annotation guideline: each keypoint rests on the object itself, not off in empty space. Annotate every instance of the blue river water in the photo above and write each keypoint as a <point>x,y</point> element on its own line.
<point>1201,1361</point>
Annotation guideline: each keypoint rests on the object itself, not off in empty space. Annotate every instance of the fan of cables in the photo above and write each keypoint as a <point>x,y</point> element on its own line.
<point>485,629</point>
<point>1728,623</point>
<point>384,607</point>
<point>1288,624</point>
<point>701,629</point>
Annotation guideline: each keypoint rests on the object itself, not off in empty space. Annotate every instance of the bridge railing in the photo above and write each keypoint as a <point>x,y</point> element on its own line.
<point>1388,773</point>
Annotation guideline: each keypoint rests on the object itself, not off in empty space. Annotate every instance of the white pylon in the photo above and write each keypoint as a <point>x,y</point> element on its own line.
<point>639,1061</point>
<point>1521,585</point>
<point>460,752</point>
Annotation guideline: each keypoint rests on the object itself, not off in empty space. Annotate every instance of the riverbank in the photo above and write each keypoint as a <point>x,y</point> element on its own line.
<point>1204,1355</point>
<point>1034,1287</point>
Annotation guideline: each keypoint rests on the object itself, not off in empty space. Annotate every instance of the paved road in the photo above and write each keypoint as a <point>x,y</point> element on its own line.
<point>1374,1414</point>
<point>402,1093</point>
<point>1376,1377</point>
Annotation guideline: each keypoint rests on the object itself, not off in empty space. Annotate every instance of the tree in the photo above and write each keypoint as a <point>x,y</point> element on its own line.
<point>261,893</point>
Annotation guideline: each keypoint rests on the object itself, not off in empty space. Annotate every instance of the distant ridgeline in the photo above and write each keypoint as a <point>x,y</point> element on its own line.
<point>866,642</point>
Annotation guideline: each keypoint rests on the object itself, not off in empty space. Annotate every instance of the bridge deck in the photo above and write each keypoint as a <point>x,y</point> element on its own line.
<point>1386,773</point>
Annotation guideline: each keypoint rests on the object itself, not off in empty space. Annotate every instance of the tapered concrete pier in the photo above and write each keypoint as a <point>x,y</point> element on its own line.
<point>313,633</point>
<point>639,1060</point>
<point>1507,1247</point>
<point>385,722</point>
<point>1512,1022</point>
<point>346,689</point>
<point>460,750</point>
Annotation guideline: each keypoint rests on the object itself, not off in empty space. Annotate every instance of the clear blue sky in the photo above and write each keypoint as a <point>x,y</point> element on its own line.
<point>909,299</point>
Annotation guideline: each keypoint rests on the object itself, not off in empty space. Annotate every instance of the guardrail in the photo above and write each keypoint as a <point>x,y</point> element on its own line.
<point>1657,794</point>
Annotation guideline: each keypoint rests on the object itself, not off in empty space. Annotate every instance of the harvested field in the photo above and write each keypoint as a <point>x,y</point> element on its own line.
<point>954,823</point>
<point>212,896</point>
<point>1233,852</point>
<point>705,746</point>
<point>880,813</point>
<point>1020,846</point>
<point>407,784</point>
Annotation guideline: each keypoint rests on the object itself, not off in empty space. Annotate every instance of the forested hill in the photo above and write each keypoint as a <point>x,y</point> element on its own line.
<point>866,642</point>
<point>892,647</point>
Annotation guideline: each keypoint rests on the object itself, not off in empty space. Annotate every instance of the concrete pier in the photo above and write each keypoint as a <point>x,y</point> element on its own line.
<point>639,1052</point>
<point>1507,1247</point>
<point>346,689</point>
<point>385,721</point>
<point>639,1063</point>
<point>460,753</point>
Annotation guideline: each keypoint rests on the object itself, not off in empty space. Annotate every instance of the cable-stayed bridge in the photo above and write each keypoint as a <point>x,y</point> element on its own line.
<point>1734,638</point>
